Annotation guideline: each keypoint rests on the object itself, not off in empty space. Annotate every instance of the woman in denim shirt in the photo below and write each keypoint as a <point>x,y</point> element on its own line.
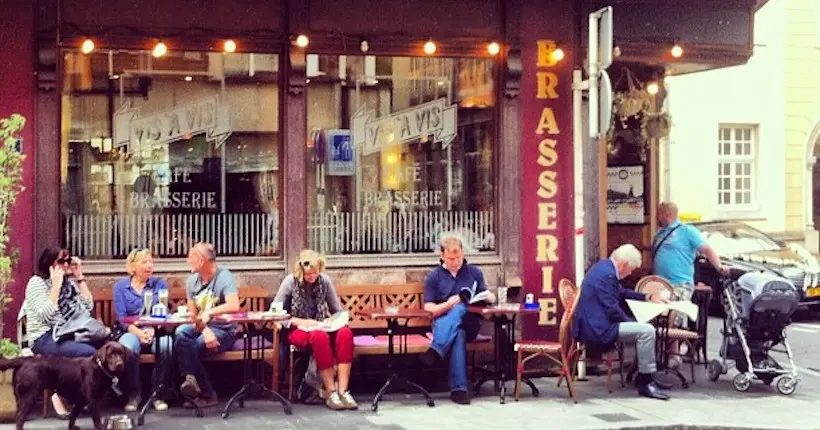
<point>128,301</point>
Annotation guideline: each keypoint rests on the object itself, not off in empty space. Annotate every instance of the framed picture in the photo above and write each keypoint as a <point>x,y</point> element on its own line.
<point>625,195</point>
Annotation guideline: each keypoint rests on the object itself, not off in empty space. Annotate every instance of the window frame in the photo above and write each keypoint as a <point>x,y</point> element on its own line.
<point>734,159</point>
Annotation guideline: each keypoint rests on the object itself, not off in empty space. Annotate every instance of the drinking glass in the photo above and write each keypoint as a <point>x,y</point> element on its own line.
<point>163,297</point>
<point>147,302</point>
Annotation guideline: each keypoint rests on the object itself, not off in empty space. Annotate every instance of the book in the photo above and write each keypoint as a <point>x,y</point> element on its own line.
<point>335,322</point>
<point>468,295</point>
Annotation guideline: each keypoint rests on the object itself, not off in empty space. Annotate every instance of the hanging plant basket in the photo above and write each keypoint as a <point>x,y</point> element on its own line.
<point>657,125</point>
<point>631,103</point>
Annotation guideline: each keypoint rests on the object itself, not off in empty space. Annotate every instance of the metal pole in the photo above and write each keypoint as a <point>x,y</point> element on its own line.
<point>578,146</point>
<point>593,76</point>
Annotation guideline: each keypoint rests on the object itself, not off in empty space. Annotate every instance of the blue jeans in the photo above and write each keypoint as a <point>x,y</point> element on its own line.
<point>450,337</point>
<point>190,348</point>
<point>46,345</point>
<point>132,366</point>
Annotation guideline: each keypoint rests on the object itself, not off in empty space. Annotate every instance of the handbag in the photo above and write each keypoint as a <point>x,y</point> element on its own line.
<point>81,327</point>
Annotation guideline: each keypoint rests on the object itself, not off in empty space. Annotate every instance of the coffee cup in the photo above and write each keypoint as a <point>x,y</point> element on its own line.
<point>277,307</point>
<point>182,310</point>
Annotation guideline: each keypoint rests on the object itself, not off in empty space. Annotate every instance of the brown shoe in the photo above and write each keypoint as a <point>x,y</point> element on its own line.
<point>202,402</point>
<point>190,388</point>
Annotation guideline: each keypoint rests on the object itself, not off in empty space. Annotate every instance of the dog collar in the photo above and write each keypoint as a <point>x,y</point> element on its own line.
<point>114,380</point>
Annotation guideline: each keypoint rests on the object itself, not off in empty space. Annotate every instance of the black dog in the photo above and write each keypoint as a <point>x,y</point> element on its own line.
<point>82,381</point>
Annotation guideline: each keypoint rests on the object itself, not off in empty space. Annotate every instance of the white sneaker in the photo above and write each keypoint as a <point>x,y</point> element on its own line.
<point>160,405</point>
<point>132,405</point>
<point>348,401</point>
<point>334,402</point>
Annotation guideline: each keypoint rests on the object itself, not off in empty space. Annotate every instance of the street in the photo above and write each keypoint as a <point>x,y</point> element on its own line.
<point>703,405</point>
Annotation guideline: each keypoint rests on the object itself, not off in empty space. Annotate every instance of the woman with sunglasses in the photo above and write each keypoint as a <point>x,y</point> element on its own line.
<point>57,289</point>
<point>130,293</point>
<point>310,298</point>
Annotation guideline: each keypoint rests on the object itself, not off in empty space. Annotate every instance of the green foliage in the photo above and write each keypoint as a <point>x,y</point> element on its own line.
<point>11,178</point>
<point>9,349</point>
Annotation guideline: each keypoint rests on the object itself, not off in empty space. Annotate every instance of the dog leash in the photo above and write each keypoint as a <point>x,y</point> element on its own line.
<point>114,380</point>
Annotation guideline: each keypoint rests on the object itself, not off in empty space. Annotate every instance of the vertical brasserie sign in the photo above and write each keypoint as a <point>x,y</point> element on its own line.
<point>547,185</point>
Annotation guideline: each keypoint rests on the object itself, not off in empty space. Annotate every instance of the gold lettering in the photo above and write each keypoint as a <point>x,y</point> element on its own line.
<point>545,50</point>
<point>547,212</point>
<point>548,311</point>
<point>547,245</point>
<point>546,280</point>
<point>547,153</point>
<point>548,187</point>
<point>547,121</point>
<point>547,81</point>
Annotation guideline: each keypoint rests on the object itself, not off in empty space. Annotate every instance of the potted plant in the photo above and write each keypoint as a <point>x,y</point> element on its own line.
<point>11,177</point>
<point>656,125</point>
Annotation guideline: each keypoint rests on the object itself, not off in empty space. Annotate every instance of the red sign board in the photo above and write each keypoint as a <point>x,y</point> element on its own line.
<point>547,192</point>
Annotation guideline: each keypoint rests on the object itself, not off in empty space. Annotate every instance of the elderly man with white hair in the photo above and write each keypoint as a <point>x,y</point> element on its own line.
<point>600,321</point>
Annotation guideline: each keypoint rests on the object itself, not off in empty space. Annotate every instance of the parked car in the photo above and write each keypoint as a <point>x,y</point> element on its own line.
<point>743,249</point>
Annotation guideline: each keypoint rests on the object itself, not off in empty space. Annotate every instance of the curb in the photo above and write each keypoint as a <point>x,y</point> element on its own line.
<point>695,427</point>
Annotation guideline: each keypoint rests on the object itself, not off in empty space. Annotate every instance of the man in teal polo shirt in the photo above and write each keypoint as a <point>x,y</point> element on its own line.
<point>674,249</point>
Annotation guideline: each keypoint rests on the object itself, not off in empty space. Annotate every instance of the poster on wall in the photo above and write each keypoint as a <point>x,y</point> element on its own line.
<point>625,202</point>
<point>341,158</point>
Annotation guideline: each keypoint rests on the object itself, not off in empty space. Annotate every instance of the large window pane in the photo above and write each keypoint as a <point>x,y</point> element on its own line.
<point>164,152</point>
<point>401,149</point>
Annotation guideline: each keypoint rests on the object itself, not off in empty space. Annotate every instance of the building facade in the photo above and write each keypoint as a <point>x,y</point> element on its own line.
<point>754,128</point>
<point>360,129</point>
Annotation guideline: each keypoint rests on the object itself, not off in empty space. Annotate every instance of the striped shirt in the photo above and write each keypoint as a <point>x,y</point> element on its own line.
<point>42,315</point>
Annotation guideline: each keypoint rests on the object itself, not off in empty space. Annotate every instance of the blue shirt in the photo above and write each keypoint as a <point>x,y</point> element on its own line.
<point>440,284</point>
<point>675,259</point>
<point>128,302</point>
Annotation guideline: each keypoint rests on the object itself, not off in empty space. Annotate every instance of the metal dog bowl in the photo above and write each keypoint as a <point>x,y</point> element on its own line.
<point>119,422</point>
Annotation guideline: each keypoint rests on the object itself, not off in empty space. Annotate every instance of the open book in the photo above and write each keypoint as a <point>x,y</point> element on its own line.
<point>335,322</point>
<point>468,294</point>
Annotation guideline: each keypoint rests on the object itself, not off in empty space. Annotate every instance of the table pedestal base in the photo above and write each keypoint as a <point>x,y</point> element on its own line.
<point>255,389</point>
<point>398,379</point>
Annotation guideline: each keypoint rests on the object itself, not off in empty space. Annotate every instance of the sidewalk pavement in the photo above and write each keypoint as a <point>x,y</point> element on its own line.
<point>704,405</point>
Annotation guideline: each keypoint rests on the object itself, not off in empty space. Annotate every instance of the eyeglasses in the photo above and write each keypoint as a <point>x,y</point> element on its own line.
<point>306,263</point>
<point>64,260</point>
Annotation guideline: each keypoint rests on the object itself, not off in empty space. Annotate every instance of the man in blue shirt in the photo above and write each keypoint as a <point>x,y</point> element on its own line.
<point>674,249</point>
<point>453,326</point>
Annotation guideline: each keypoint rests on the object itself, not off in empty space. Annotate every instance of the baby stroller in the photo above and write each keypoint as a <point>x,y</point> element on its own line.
<point>759,307</point>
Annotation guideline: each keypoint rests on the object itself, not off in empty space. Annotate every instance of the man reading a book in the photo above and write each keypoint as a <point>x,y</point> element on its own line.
<point>448,289</point>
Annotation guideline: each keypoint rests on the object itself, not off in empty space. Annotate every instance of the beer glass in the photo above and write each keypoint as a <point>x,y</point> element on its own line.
<point>163,297</point>
<point>147,302</point>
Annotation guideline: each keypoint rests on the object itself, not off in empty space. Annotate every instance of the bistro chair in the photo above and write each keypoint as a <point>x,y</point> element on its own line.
<point>561,353</point>
<point>567,291</point>
<point>667,331</point>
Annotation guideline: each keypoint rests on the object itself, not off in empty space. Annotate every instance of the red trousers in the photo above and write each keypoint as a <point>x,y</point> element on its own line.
<point>324,345</point>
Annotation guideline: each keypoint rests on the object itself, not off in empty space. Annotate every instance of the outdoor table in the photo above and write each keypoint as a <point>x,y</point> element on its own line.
<point>394,328</point>
<point>254,346</point>
<point>503,317</point>
<point>162,327</point>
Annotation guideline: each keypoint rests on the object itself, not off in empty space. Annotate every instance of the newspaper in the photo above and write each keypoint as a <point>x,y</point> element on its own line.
<point>335,322</point>
<point>645,311</point>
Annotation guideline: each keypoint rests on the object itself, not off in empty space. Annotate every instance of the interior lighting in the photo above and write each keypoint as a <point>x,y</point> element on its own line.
<point>159,50</point>
<point>676,51</point>
<point>493,48</point>
<point>87,46</point>
<point>652,88</point>
<point>430,47</point>
<point>229,46</point>
<point>302,41</point>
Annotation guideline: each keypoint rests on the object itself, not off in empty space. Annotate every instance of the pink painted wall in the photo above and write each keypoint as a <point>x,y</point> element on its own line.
<point>17,93</point>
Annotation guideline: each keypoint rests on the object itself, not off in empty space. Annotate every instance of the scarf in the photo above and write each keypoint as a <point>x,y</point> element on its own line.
<point>300,303</point>
<point>68,300</point>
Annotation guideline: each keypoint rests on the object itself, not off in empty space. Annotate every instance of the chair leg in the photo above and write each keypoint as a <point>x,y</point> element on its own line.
<point>621,365</point>
<point>570,383</point>
<point>693,348</point>
<point>46,402</point>
<point>609,371</point>
<point>290,376</point>
<point>519,371</point>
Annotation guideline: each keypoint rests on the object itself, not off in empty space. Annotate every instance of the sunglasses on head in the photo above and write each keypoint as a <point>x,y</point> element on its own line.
<point>306,263</point>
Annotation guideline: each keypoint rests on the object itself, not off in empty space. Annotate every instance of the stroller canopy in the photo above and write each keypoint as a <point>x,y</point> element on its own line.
<point>759,291</point>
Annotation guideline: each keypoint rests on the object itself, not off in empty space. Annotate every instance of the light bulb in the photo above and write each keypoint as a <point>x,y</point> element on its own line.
<point>558,54</point>
<point>677,51</point>
<point>430,47</point>
<point>493,48</point>
<point>159,50</point>
<point>88,46</point>
<point>652,88</point>
<point>302,41</point>
<point>229,46</point>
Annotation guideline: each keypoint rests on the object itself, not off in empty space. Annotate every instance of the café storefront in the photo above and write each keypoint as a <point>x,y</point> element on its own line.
<point>360,129</point>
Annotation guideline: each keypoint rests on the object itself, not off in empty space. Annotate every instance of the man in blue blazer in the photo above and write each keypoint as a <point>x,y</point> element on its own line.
<point>600,321</point>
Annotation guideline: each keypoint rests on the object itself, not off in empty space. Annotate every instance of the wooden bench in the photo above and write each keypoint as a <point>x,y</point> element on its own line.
<point>370,336</point>
<point>251,299</point>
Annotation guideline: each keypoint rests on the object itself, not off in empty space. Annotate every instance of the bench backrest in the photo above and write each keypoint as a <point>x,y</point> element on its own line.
<point>356,298</point>
<point>253,299</point>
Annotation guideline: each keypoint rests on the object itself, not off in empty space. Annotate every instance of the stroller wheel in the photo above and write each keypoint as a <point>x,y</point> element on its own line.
<point>742,382</point>
<point>786,385</point>
<point>714,370</point>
